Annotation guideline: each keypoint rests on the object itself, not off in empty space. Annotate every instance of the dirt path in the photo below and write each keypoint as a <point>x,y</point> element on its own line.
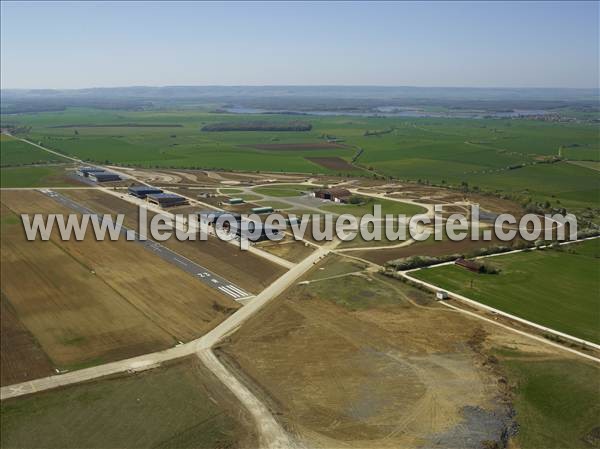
<point>271,434</point>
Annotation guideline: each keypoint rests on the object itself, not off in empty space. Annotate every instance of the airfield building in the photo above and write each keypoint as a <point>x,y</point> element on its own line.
<point>211,216</point>
<point>86,171</point>
<point>335,195</point>
<point>257,232</point>
<point>262,210</point>
<point>143,191</point>
<point>103,176</point>
<point>166,199</point>
<point>234,201</point>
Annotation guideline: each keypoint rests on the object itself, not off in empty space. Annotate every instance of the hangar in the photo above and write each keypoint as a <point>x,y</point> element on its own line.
<point>103,176</point>
<point>143,191</point>
<point>211,216</point>
<point>86,171</point>
<point>166,199</point>
<point>335,195</point>
<point>257,232</point>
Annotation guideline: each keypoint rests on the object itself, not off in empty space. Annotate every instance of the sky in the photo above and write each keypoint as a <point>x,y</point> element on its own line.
<point>472,44</point>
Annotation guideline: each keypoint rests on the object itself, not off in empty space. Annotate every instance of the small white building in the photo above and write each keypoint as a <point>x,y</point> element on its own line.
<point>441,295</point>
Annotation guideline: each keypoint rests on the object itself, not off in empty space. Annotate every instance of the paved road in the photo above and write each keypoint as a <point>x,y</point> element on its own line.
<point>199,272</point>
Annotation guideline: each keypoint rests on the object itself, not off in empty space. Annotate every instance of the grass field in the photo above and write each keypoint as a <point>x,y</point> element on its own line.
<point>173,406</point>
<point>283,190</point>
<point>483,153</point>
<point>366,207</point>
<point>51,176</point>
<point>557,402</point>
<point>554,288</point>
<point>15,152</point>
<point>275,204</point>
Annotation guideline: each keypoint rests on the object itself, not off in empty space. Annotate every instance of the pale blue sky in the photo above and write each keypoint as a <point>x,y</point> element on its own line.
<point>496,44</point>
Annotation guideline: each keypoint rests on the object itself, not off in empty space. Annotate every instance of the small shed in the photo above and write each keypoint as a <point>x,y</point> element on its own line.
<point>262,210</point>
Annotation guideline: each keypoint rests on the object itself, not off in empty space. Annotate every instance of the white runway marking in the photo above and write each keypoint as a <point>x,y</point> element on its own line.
<point>238,290</point>
<point>229,292</point>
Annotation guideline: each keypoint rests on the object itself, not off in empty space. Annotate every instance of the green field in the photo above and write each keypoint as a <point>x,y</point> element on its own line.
<point>275,204</point>
<point>555,288</point>
<point>485,153</point>
<point>366,207</point>
<point>557,402</point>
<point>282,190</point>
<point>14,152</point>
<point>50,176</point>
<point>164,408</point>
<point>582,153</point>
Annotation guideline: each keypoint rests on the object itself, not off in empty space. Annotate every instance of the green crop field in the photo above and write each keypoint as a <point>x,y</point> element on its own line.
<point>557,402</point>
<point>586,153</point>
<point>275,204</point>
<point>282,190</point>
<point>366,207</point>
<point>51,176</point>
<point>501,155</point>
<point>168,407</point>
<point>555,288</point>
<point>15,152</point>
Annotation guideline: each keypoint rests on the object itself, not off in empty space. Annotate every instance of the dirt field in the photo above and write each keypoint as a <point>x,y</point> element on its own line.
<point>287,248</point>
<point>367,362</point>
<point>21,358</point>
<point>91,302</point>
<point>437,195</point>
<point>427,248</point>
<point>332,163</point>
<point>173,177</point>
<point>247,270</point>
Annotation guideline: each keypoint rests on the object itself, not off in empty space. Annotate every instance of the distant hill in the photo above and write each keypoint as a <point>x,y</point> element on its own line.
<point>298,98</point>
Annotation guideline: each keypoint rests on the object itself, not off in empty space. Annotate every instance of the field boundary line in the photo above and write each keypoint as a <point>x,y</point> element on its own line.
<point>505,253</point>
<point>520,332</point>
<point>487,308</point>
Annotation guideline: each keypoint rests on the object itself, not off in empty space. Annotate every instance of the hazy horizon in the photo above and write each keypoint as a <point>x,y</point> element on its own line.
<point>62,45</point>
<point>151,86</point>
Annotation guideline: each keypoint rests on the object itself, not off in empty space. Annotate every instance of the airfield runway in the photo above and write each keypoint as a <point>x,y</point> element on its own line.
<point>199,272</point>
